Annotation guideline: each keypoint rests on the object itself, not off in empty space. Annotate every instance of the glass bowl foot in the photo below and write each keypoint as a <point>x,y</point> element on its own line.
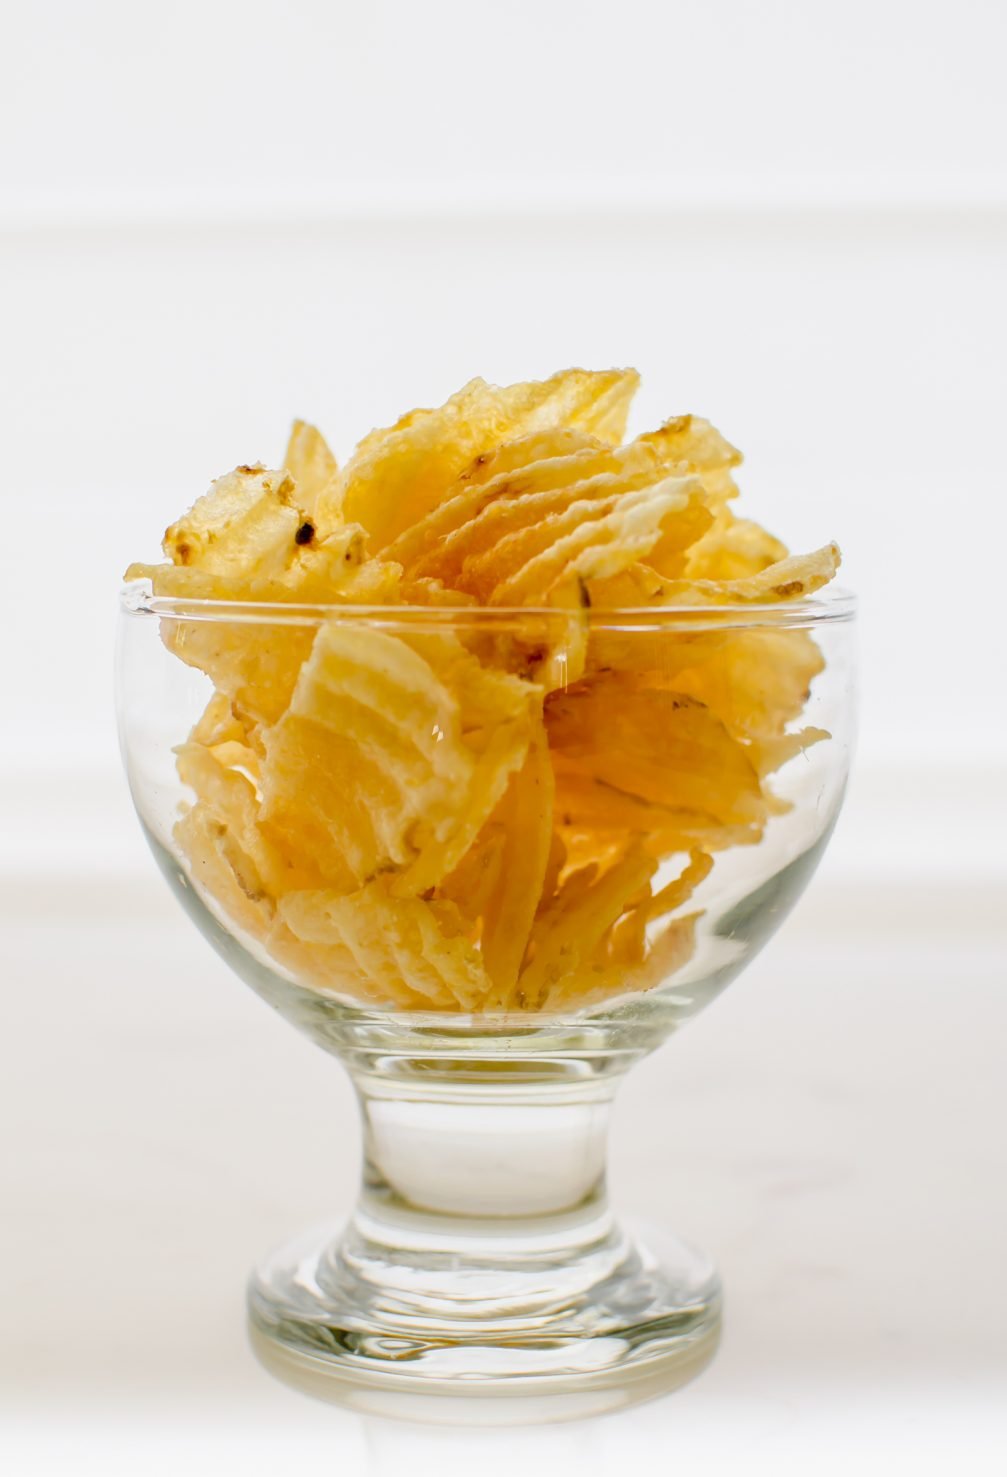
<point>351,1320</point>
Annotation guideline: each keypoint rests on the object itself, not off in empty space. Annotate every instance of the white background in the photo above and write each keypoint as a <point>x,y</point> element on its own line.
<point>791,218</point>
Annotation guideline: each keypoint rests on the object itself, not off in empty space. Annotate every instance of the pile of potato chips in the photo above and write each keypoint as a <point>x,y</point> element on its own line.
<point>466,812</point>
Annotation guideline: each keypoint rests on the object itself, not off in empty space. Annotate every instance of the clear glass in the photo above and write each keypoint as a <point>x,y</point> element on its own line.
<point>483,1258</point>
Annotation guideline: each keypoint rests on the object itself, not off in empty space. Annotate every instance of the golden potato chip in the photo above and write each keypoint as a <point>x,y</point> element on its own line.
<point>527,451</point>
<point>379,434</point>
<point>559,660</point>
<point>593,540</point>
<point>627,939</point>
<point>332,969</point>
<point>756,682</point>
<point>533,515</point>
<point>732,549</point>
<point>472,882</point>
<point>246,521</point>
<point>399,943</point>
<point>667,954</point>
<point>732,561</point>
<point>230,795</point>
<point>222,873</point>
<point>393,753</point>
<point>396,478</point>
<point>770,754</point>
<point>670,952</point>
<point>525,817</point>
<point>570,929</point>
<point>789,579</point>
<point>301,569</point>
<point>255,663</point>
<point>218,725</point>
<point>662,746</point>
<point>681,888</point>
<point>594,817</point>
<point>633,588</point>
<point>689,444</point>
<point>433,592</point>
<point>311,464</point>
<point>549,462</point>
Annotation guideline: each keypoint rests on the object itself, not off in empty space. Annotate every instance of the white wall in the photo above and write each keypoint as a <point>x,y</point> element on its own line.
<point>790,217</point>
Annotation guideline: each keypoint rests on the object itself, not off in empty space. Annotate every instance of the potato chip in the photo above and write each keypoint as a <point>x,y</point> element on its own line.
<point>525,816</point>
<point>471,884</point>
<point>633,588</point>
<point>604,410</point>
<point>594,817</point>
<point>732,549</point>
<point>255,665</point>
<point>433,592</point>
<point>662,746</point>
<point>533,516</point>
<point>680,890</point>
<point>246,521</point>
<point>393,754</point>
<point>770,754</point>
<point>599,982</point>
<point>789,579</point>
<point>756,682</point>
<point>549,462</point>
<point>689,444</point>
<point>400,944</point>
<point>218,724</point>
<point>396,478</point>
<point>311,464</point>
<point>485,530</point>
<point>523,452</point>
<point>230,795</point>
<point>303,571</point>
<point>594,540</point>
<point>332,968</point>
<point>666,955</point>
<point>569,931</point>
<point>222,873</point>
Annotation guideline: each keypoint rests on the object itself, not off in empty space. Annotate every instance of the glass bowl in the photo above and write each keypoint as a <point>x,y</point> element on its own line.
<point>483,1258</point>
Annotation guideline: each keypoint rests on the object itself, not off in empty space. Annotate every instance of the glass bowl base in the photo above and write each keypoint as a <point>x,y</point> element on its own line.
<point>440,1337</point>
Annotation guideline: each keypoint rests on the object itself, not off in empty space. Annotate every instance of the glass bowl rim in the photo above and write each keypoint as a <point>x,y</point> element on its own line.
<point>831,605</point>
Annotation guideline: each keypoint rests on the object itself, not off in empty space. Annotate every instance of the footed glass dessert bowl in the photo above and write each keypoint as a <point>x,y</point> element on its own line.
<point>488,904</point>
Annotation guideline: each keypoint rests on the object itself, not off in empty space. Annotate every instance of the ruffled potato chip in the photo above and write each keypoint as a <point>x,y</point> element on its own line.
<point>732,549</point>
<point>756,682</point>
<point>689,444</point>
<point>223,873</point>
<point>664,747</point>
<point>395,478</point>
<point>525,818</point>
<point>225,780</point>
<point>246,521</point>
<point>332,969</point>
<point>311,463</point>
<point>393,753</point>
<point>403,946</point>
<point>552,467</point>
<point>572,926</point>
<point>256,667</point>
<point>792,578</point>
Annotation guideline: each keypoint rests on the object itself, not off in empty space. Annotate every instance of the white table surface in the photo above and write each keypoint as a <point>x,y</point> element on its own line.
<point>832,1130</point>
